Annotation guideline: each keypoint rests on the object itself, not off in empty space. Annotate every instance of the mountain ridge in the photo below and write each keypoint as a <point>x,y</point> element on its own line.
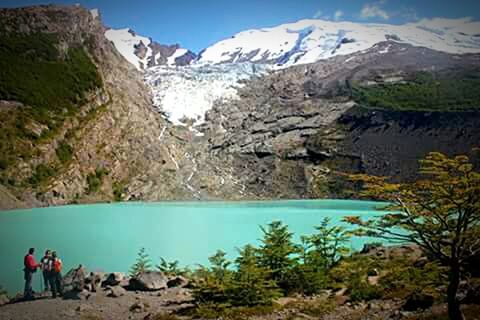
<point>310,40</point>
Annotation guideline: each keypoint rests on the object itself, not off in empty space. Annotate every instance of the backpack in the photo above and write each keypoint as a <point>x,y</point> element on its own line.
<point>57,265</point>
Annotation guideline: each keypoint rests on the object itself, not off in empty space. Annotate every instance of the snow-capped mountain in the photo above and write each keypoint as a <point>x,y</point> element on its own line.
<point>185,86</point>
<point>143,53</point>
<point>307,41</point>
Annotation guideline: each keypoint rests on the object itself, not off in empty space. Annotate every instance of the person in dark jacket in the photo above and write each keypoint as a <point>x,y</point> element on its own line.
<point>30,267</point>
<point>55,275</point>
<point>45,269</point>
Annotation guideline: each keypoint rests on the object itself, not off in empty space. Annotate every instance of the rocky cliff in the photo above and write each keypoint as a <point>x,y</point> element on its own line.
<point>292,132</point>
<point>109,139</point>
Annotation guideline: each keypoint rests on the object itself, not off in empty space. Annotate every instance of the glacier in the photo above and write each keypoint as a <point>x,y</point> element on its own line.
<point>184,93</point>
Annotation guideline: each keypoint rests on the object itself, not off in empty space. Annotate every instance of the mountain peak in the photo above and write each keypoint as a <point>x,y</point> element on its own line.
<point>143,52</point>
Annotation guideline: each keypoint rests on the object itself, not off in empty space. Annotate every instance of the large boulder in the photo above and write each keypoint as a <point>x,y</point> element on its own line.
<point>74,280</point>
<point>149,281</point>
<point>116,279</point>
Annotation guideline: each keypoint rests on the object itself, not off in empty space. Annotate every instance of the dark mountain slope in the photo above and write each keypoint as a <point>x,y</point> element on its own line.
<point>292,130</point>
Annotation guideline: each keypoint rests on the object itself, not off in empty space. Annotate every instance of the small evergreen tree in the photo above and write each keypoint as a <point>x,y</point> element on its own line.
<point>215,281</point>
<point>251,285</point>
<point>277,252</point>
<point>169,267</point>
<point>142,263</point>
<point>327,244</point>
<point>220,265</point>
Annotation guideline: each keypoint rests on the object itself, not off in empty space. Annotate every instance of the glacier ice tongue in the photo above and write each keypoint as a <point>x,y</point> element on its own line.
<point>188,92</point>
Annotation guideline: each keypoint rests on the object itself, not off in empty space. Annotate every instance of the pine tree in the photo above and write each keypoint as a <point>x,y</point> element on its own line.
<point>142,263</point>
<point>169,267</point>
<point>278,252</point>
<point>216,281</point>
<point>327,244</point>
<point>220,265</point>
<point>251,285</point>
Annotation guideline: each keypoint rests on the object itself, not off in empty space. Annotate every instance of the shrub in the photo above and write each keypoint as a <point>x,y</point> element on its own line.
<point>94,180</point>
<point>118,190</point>
<point>64,152</point>
<point>402,279</point>
<point>42,173</point>
<point>425,92</point>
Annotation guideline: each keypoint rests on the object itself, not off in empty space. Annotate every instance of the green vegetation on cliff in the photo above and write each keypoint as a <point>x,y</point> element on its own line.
<point>50,83</point>
<point>425,92</point>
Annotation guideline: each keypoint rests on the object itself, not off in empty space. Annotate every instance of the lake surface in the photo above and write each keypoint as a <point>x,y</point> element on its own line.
<point>107,237</point>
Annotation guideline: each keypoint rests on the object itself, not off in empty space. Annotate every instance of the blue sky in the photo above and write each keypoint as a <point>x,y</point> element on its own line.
<point>198,24</point>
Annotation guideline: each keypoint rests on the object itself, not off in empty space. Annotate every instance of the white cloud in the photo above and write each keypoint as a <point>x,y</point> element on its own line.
<point>409,14</point>
<point>318,14</point>
<point>338,14</point>
<point>374,10</point>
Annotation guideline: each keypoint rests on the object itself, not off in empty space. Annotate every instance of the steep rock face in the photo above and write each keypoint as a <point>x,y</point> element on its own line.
<point>116,139</point>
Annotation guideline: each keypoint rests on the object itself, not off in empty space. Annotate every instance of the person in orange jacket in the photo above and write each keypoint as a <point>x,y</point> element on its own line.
<point>30,267</point>
<point>55,275</point>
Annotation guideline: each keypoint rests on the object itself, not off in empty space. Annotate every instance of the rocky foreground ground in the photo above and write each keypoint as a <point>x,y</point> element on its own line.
<point>156,296</point>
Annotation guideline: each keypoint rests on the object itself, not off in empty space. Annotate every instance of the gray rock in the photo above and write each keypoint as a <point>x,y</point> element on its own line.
<point>83,308</point>
<point>178,281</point>
<point>74,280</point>
<point>149,281</point>
<point>116,279</point>
<point>4,299</point>
<point>287,124</point>
<point>116,292</point>
<point>77,295</point>
<point>95,280</point>
<point>138,307</point>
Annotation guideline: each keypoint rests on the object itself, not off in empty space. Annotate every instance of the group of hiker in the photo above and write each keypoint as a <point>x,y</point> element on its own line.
<point>51,267</point>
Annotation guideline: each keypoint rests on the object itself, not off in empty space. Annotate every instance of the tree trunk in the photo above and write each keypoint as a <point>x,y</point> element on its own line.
<point>454,312</point>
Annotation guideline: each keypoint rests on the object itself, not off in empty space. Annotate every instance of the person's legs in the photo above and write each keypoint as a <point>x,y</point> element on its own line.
<point>28,292</point>
<point>58,283</point>
<point>45,281</point>
<point>51,280</point>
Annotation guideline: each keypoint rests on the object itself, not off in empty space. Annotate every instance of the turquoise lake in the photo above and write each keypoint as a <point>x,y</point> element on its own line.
<point>107,237</point>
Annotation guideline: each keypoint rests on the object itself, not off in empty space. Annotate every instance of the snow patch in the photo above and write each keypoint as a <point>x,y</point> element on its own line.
<point>125,40</point>
<point>178,53</point>
<point>94,13</point>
